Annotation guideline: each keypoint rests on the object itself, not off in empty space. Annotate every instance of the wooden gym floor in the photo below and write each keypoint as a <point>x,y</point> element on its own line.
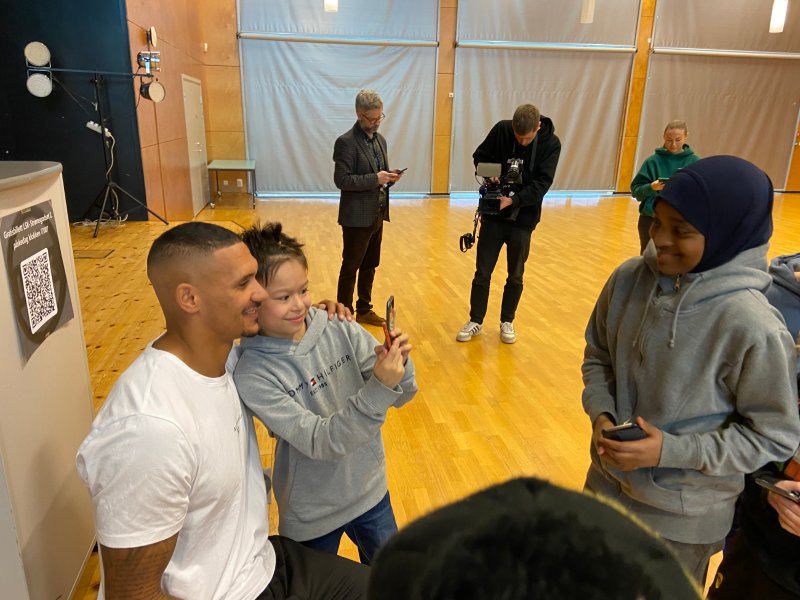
<point>486,411</point>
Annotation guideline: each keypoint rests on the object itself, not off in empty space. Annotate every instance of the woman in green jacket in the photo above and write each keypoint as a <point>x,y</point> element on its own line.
<point>656,169</point>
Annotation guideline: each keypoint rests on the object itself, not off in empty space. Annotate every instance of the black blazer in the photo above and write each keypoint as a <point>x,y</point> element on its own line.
<point>356,175</point>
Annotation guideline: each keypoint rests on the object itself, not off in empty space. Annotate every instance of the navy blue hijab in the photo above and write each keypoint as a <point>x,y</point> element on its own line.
<point>728,200</point>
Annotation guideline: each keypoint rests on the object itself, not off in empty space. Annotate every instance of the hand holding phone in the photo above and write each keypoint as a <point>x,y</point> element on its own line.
<point>388,324</point>
<point>627,432</point>
<point>663,179</point>
<point>769,483</point>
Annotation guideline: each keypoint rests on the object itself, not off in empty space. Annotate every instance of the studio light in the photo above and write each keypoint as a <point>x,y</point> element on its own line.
<point>39,84</point>
<point>40,71</point>
<point>587,12</point>
<point>152,90</point>
<point>778,17</point>
<point>37,55</point>
<point>149,60</point>
<point>331,5</point>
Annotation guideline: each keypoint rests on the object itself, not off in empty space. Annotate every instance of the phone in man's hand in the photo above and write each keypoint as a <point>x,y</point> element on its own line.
<point>627,432</point>
<point>388,325</point>
<point>769,483</point>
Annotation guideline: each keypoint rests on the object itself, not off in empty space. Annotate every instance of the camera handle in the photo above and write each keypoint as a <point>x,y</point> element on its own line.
<point>466,241</point>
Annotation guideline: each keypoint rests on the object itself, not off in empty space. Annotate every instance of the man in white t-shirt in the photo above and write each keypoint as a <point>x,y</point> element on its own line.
<point>172,462</point>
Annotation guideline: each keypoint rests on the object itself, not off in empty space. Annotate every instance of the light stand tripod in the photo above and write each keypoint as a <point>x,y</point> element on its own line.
<point>40,84</point>
<point>111,187</point>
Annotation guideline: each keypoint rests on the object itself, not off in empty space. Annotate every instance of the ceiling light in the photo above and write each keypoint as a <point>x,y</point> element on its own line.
<point>587,11</point>
<point>331,5</point>
<point>778,17</point>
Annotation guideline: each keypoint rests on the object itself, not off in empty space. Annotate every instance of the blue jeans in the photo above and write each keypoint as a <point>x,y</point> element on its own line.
<point>368,532</point>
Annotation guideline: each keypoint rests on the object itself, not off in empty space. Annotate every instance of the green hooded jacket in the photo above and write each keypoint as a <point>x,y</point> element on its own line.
<point>660,164</point>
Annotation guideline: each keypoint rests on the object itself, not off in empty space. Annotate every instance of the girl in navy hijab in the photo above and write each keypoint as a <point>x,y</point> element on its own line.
<point>683,344</point>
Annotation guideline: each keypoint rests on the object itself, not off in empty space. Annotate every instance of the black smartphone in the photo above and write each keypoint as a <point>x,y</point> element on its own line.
<point>400,171</point>
<point>769,484</point>
<point>663,179</point>
<point>388,325</point>
<point>627,432</point>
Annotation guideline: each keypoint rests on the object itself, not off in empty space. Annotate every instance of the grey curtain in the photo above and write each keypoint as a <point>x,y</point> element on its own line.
<point>299,95</point>
<point>738,105</point>
<point>580,86</point>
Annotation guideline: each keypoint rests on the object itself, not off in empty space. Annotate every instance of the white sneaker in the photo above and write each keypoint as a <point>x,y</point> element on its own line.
<point>507,333</point>
<point>468,331</point>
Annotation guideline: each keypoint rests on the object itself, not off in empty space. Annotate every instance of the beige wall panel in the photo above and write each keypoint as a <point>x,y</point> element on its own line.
<point>635,97</point>
<point>193,68</point>
<point>219,32</point>
<point>441,164</point>
<point>190,30</point>
<point>146,114</point>
<point>169,113</point>
<point>173,23</point>
<point>225,145</point>
<point>146,13</point>
<point>627,169</point>
<point>447,36</point>
<point>154,192</point>
<point>177,189</point>
<point>224,92</point>
<point>643,44</point>
<point>444,104</point>
<point>793,181</point>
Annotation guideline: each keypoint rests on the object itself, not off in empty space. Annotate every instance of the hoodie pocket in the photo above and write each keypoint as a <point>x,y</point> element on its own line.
<point>321,488</point>
<point>682,491</point>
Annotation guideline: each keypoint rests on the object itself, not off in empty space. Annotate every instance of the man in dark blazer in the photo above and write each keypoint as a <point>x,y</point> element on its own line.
<point>362,174</point>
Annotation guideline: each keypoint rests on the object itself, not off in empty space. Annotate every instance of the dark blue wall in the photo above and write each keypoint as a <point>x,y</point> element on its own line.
<point>91,35</point>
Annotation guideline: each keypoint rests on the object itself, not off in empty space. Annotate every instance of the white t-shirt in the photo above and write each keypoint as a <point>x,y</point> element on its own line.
<point>174,451</point>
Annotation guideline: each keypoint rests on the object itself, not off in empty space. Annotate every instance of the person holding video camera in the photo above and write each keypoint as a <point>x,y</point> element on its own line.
<point>528,142</point>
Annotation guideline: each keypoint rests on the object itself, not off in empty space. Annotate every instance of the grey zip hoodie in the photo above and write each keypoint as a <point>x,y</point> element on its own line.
<point>317,396</point>
<point>707,360</point>
<point>784,293</point>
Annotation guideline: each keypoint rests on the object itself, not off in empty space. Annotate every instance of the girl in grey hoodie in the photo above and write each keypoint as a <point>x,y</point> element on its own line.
<point>683,341</point>
<point>323,389</point>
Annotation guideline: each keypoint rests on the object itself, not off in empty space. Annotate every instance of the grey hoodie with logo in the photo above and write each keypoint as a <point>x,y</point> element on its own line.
<point>318,397</point>
<point>707,360</point>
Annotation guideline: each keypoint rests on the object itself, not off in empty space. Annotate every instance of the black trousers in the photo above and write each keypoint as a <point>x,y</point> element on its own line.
<point>361,254</point>
<point>303,573</point>
<point>493,235</point>
<point>644,231</point>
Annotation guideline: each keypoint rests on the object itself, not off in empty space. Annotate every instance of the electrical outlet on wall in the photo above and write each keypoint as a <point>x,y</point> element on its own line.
<point>239,183</point>
<point>224,183</point>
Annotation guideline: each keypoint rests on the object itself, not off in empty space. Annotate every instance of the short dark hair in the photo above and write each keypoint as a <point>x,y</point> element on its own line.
<point>189,240</point>
<point>527,539</point>
<point>526,119</point>
<point>271,248</point>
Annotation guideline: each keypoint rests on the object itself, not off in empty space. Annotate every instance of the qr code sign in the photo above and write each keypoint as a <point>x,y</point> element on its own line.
<point>40,295</point>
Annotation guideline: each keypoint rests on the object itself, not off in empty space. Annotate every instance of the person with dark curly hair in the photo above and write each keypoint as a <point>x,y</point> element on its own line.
<point>527,539</point>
